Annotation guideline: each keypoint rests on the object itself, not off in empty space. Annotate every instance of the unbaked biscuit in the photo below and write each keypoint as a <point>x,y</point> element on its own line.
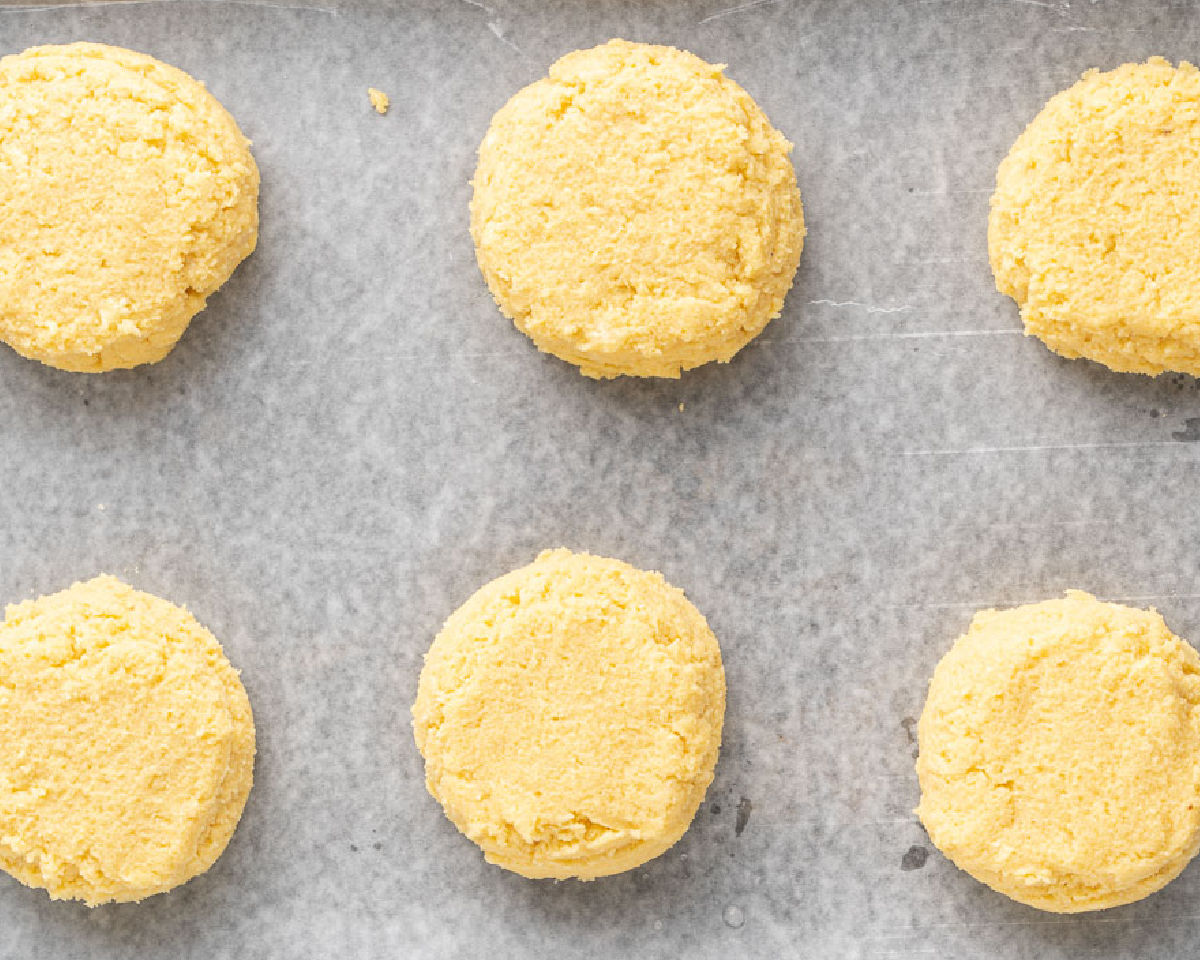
<point>1095,222</point>
<point>128,744</point>
<point>1060,753</point>
<point>570,714</point>
<point>127,197</point>
<point>636,213</point>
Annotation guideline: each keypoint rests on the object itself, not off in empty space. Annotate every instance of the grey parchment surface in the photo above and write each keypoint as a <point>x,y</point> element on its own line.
<point>351,439</point>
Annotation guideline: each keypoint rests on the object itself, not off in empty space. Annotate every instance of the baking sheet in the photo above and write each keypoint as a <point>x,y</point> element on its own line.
<point>351,439</point>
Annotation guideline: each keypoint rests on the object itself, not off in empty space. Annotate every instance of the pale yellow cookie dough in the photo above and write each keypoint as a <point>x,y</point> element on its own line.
<point>127,197</point>
<point>1060,753</point>
<point>636,213</point>
<point>1095,222</point>
<point>128,744</point>
<point>379,100</point>
<point>570,714</point>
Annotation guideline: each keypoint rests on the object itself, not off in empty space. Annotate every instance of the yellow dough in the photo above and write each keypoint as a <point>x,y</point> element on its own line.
<point>128,744</point>
<point>1060,753</point>
<point>127,197</point>
<point>636,213</point>
<point>570,715</point>
<point>1095,222</point>
<point>380,101</point>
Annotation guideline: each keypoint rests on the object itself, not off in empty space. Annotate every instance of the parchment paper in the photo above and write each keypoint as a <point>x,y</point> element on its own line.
<point>351,439</point>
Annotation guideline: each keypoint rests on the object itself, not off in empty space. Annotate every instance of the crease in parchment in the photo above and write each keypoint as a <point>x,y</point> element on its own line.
<point>34,6</point>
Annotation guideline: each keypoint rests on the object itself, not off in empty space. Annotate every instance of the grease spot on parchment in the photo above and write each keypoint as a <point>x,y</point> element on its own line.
<point>1190,432</point>
<point>743,815</point>
<point>914,858</point>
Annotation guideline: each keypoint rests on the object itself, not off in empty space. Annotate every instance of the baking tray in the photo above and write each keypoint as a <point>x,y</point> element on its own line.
<point>351,439</point>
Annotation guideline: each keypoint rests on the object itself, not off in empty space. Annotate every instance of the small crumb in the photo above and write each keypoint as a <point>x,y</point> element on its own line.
<point>681,408</point>
<point>99,506</point>
<point>379,100</point>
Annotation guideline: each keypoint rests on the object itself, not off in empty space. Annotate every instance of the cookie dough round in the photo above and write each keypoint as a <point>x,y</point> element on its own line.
<point>1060,753</point>
<point>570,715</point>
<point>1095,222</point>
<point>636,213</point>
<point>128,744</point>
<point>127,197</point>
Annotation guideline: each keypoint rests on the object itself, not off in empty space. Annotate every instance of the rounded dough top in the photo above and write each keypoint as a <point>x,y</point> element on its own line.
<point>1095,222</point>
<point>570,716</point>
<point>635,212</point>
<point>127,197</point>
<point>128,744</point>
<point>1060,753</point>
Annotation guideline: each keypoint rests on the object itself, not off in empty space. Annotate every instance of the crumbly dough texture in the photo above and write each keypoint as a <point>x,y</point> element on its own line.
<point>1060,753</point>
<point>380,101</point>
<point>1095,222</point>
<point>570,716</point>
<point>636,213</point>
<point>127,197</point>
<point>128,744</point>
